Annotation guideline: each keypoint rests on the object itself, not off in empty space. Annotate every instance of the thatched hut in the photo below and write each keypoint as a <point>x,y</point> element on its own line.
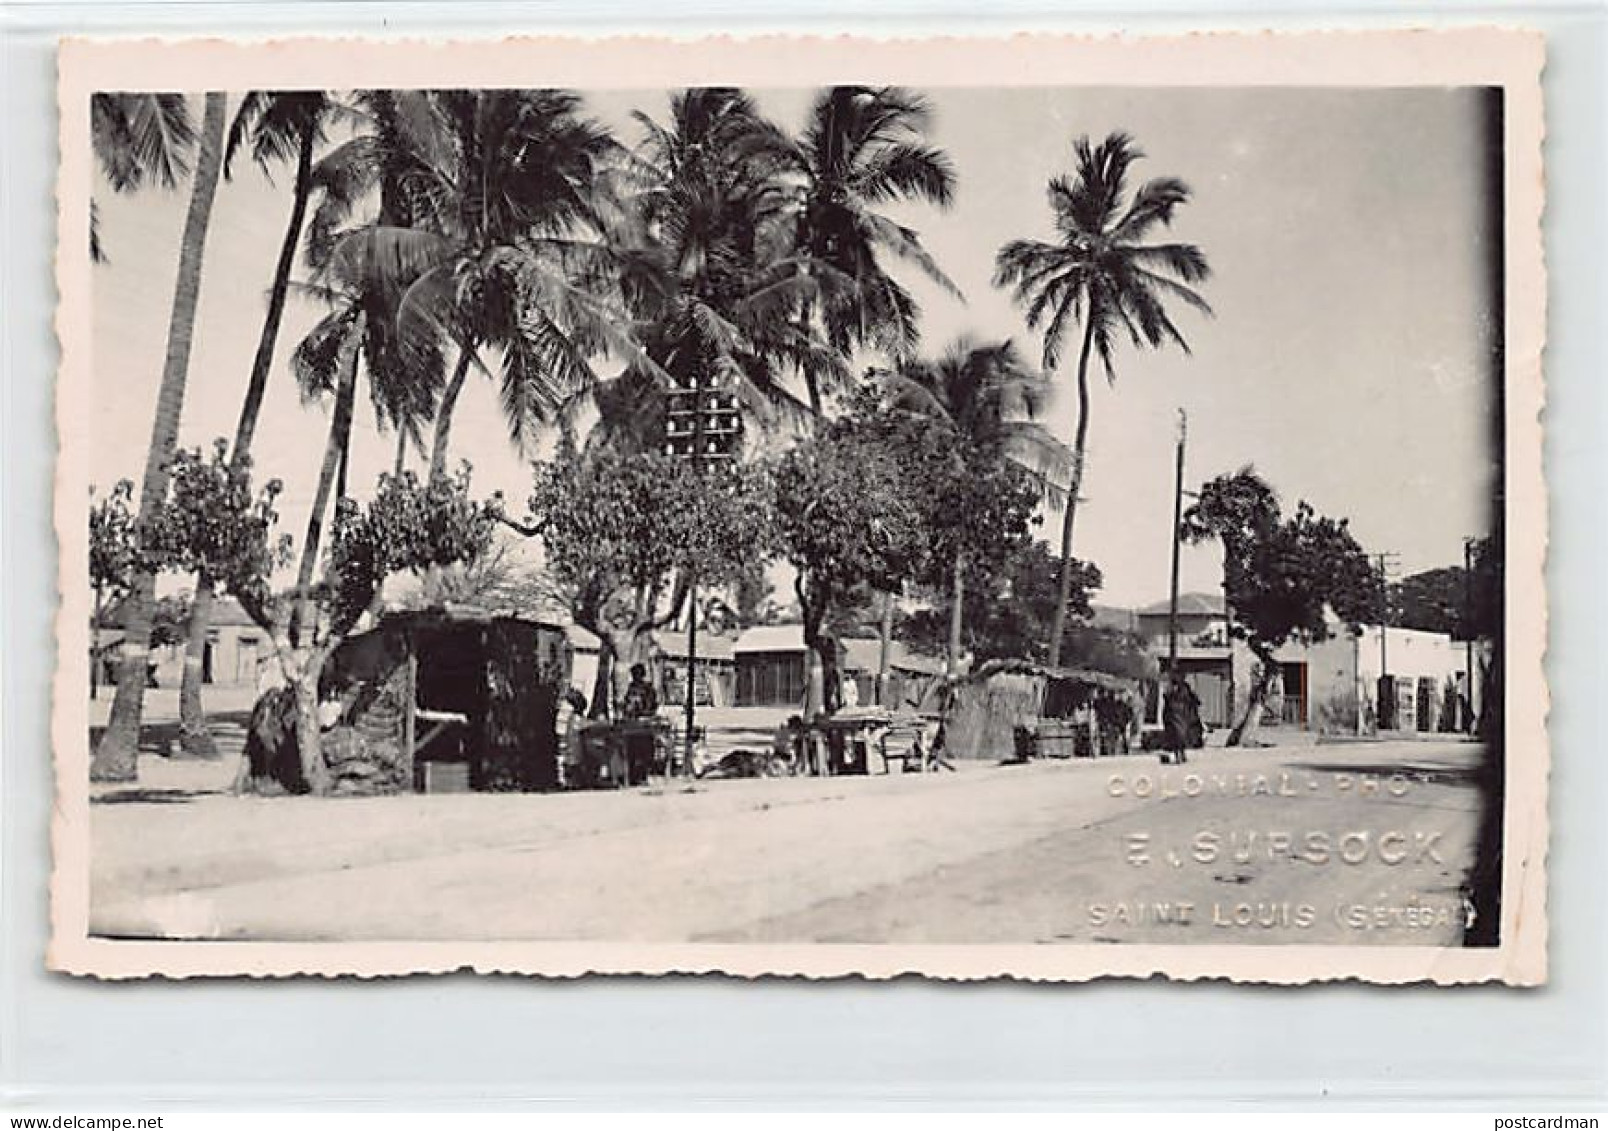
<point>1011,708</point>
<point>445,700</point>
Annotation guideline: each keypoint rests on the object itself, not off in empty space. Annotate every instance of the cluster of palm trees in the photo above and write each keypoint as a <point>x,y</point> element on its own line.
<point>450,234</point>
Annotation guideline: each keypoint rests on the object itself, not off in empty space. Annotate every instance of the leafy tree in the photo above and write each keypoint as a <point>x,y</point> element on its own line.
<point>169,618</point>
<point>213,521</point>
<point>862,149</point>
<point>1238,511</point>
<point>209,522</point>
<point>975,408</point>
<point>489,580</point>
<point>1008,614</point>
<point>1283,576</point>
<point>1115,651</point>
<point>112,550</point>
<point>115,756</point>
<point>1431,601</point>
<point>1101,272</point>
<point>621,531</point>
<point>847,523</point>
<point>1461,603</point>
<point>756,596</point>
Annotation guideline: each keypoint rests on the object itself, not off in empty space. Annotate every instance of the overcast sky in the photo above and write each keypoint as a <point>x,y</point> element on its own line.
<point>1346,233</point>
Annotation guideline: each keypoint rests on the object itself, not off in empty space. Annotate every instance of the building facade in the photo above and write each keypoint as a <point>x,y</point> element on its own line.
<point>1332,685</point>
<point>236,653</point>
<point>770,669</point>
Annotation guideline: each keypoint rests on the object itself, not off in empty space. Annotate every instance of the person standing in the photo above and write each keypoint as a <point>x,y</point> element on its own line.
<point>571,717</point>
<point>1175,716</point>
<point>641,706</point>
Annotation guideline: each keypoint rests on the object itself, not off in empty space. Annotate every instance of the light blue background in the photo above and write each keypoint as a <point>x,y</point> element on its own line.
<point>463,1042</point>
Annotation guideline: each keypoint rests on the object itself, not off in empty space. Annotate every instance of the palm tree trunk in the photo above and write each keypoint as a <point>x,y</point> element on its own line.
<point>193,735</point>
<point>195,740</point>
<point>304,624</point>
<point>885,652</point>
<point>957,600</point>
<point>346,459</point>
<point>192,724</point>
<point>340,426</point>
<point>401,463</point>
<point>100,605</point>
<point>1079,443</point>
<point>115,757</point>
<point>812,380</point>
<point>443,423</point>
<point>262,363</point>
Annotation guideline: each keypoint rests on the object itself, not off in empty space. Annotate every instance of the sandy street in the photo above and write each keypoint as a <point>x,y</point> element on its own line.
<point>1364,843</point>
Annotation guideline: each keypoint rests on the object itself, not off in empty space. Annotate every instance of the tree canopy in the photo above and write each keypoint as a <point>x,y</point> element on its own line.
<point>1461,603</point>
<point>112,546</point>
<point>1283,576</point>
<point>1008,613</point>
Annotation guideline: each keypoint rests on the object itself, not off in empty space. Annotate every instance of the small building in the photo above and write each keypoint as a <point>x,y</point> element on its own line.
<point>1331,685</point>
<point>236,650</point>
<point>716,683</point>
<point>770,668</point>
<point>1205,652</point>
<point>1064,711</point>
<point>717,677</point>
<point>446,700</point>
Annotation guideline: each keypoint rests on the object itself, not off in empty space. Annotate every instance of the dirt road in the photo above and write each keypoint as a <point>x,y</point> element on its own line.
<point>1356,843</point>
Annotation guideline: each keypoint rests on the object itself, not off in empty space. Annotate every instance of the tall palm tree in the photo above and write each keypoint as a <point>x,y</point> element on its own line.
<point>276,127</point>
<point>138,139</point>
<point>115,756</point>
<point>990,401</point>
<point>1100,271</point>
<point>862,149</point>
<point>698,226</point>
<point>358,334</point>
<point>384,164</point>
<point>497,192</point>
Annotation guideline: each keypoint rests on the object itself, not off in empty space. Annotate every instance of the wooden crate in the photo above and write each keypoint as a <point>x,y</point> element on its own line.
<point>444,777</point>
<point>1056,740</point>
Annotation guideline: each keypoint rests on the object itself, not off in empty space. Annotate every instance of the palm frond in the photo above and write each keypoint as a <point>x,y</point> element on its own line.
<point>1153,204</point>
<point>1185,260</point>
<point>321,356</point>
<point>140,138</point>
<point>905,244</point>
<point>908,171</point>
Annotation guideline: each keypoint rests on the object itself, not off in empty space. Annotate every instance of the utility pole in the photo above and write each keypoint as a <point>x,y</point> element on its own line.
<point>1386,712</point>
<point>703,426</point>
<point>1177,538</point>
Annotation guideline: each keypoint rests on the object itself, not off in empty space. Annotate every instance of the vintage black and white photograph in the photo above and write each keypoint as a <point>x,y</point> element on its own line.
<point>699,524</point>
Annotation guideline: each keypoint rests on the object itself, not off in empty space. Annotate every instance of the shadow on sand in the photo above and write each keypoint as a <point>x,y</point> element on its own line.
<point>1427,771</point>
<point>153,796</point>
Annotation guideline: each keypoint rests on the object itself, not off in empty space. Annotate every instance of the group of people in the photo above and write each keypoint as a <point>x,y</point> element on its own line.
<point>635,748</point>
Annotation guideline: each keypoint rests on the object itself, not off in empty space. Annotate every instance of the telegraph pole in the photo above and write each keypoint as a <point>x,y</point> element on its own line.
<point>1386,562</point>
<point>1177,538</point>
<point>702,426</point>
